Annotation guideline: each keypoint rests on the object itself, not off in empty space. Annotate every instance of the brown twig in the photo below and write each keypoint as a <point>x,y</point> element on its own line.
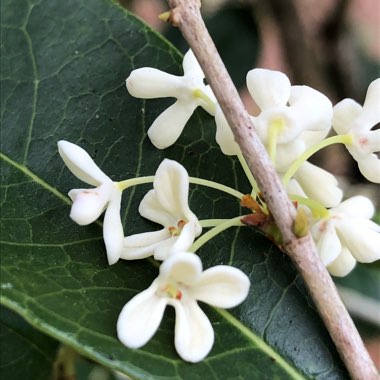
<point>185,14</point>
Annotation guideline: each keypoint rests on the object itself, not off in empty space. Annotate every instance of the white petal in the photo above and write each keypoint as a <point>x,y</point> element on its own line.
<point>343,264</point>
<point>191,65</point>
<point>222,286</point>
<point>345,112</point>
<point>287,153</point>
<point>311,138</point>
<point>370,168</point>
<point>143,245</point>
<point>328,243</point>
<point>171,186</point>
<point>167,128</point>
<point>294,188</point>
<point>183,267</point>
<point>81,164</point>
<point>210,107</point>
<point>283,116</point>
<point>113,233</point>
<point>164,250</point>
<point>140,317</point>
<point>374,140</point>
<point>88,204</point>
<point>363,242</point>
<point>194,335</point>
<point>224,136</point>
<point>371,106</point>
<point>150,208</point>
<point>356,207</point>
<point>268,88</point>
<point>150,83</point>
<point>189,232</point>
<point>312,107</point>
<point>318,184</point>
<point>176,244</point>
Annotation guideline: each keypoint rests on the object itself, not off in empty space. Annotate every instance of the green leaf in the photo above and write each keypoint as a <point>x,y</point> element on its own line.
<point>25,352</point>
<point>64,66</point>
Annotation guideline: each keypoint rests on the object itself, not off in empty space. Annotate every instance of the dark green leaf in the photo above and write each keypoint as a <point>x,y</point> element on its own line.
<point>64,66</point>
<point>25,352</point>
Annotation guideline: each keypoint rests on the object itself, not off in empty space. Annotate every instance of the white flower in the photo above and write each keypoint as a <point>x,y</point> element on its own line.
<point>167,204</point>
<point>224,136</point>
<point>181,283</point>
<point>88,204</point>
<point>189,90</point>
<point>287,112</point>
<point>315,183</point>
<point>351,118</point>
<point>348,235</point>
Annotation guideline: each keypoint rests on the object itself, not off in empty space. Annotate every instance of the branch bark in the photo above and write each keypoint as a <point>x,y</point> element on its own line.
<point>185,14</point>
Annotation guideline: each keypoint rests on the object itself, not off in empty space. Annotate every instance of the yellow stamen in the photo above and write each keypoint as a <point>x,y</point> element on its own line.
<point>176,230</point>
<point>172,292</point>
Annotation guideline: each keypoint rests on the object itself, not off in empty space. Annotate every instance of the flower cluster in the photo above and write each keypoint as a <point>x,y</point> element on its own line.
<point>181,282</point>
<point>292,125</point>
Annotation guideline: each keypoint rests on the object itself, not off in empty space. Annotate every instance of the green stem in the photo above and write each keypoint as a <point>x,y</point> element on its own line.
<point>248,173</point>
<point>194,180</point>
<point>215,231</point>
<point>217,186</point>
<point>206,223</point>
<point>315,207</point>
<point>134,181</point>
<point>339,139</point>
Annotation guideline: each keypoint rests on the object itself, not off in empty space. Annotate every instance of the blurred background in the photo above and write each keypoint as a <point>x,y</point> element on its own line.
<point>330,45</point>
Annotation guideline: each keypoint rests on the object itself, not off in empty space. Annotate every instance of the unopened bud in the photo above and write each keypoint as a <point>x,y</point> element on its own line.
<point>301,223</point>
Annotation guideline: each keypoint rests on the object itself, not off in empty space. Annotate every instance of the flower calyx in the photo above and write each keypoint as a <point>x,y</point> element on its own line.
<point>260,218</point>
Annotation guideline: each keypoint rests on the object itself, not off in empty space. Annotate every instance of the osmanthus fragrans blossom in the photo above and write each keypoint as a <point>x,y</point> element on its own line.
<point>181,283</point>
<point>292,119</point>
<point>167,204</point>
<point>356,121</point>
<point>189,90</point>
<point>348,235</point>
<point>88,204</point>
<point>286,112</point>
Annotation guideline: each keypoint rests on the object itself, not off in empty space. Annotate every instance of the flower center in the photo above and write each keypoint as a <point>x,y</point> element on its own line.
<point>176,230</point>
<point>198,93</point>
<point>171,291</point>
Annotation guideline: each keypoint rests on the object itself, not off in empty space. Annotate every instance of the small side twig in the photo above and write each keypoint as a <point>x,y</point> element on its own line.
<point>185,14</point>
